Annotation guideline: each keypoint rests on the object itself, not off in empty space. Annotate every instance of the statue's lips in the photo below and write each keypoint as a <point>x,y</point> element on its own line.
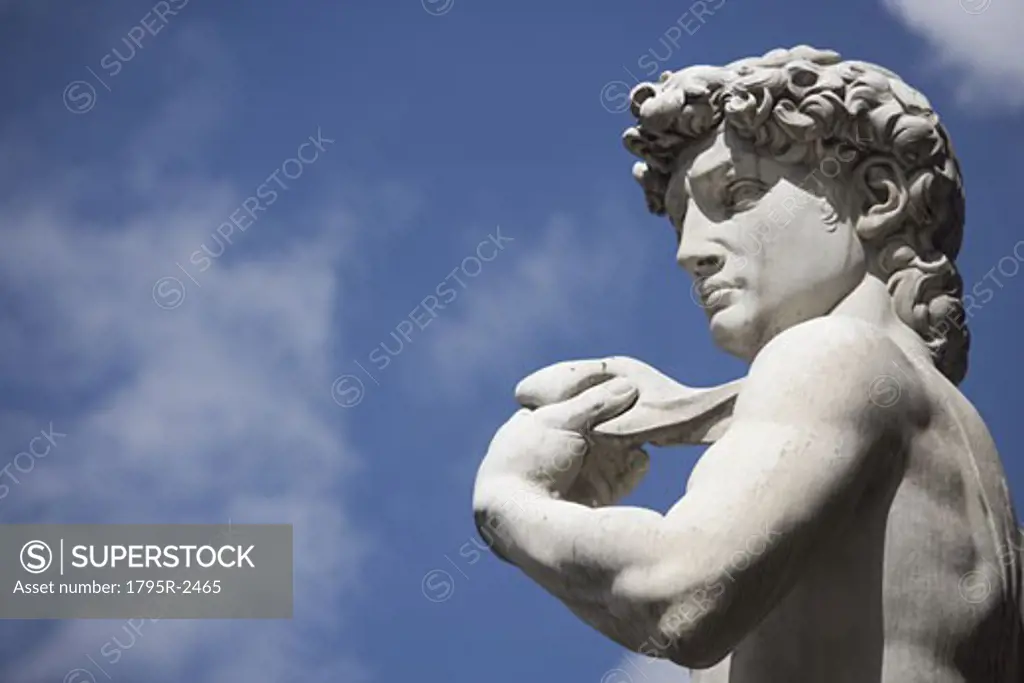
<point>694,416</point>
<point>714,299</point>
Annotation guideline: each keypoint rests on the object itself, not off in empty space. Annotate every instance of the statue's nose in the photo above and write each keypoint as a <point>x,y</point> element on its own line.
<point>700,264</point>
<point>698,254</point>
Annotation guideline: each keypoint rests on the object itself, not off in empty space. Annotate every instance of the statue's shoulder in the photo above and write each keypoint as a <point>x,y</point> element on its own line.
<point>835,359</point>
<point>833,340</point>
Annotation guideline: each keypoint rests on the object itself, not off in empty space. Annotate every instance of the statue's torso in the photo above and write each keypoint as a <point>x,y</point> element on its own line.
<point>922,587</point>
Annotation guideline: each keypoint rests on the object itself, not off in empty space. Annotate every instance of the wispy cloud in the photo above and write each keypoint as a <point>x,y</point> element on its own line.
<point>212,411</point>
<point>549,286</point>
<point>977,42</point>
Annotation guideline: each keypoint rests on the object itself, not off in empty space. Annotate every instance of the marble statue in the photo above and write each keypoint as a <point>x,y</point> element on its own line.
<point>850,520</point>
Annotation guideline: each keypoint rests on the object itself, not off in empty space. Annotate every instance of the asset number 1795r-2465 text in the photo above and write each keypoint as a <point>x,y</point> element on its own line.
<point>171,587</point>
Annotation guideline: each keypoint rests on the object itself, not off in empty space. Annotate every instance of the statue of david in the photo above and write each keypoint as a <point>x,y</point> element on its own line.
<point>850,520</point>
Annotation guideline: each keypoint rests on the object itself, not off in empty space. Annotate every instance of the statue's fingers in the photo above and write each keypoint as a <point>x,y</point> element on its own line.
<point>593,406</point>
<point>609,475</point>
<point>560,382</point>
<point>642,421</point>
<point>637,370</point>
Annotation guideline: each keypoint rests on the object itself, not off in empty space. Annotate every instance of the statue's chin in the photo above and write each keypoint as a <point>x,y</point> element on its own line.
<point>734,330</point>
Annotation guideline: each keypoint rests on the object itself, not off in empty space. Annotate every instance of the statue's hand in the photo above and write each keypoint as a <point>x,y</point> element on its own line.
<point>553,447</point>
<point>584,443</point>
<point>666,412</point>
<point>564,380</point>
<point>614,464</point>
<point>609,472</point>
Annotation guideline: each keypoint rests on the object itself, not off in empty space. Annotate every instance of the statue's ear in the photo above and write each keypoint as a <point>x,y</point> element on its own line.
<point>883,196</point>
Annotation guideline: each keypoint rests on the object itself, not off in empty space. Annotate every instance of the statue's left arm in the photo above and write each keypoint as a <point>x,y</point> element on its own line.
<point>804,442</point>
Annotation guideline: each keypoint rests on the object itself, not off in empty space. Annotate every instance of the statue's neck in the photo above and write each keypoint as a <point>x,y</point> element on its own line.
<point>871,302</point>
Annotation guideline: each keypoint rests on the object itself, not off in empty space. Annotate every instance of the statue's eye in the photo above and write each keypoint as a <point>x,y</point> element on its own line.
<point>743,195</point>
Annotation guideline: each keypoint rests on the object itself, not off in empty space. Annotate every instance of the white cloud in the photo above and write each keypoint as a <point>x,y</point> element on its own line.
<point>215,410</point>
<point>548,285</point>
<point>218,409</point>
<point>634,668</point>
<point>976,41</point>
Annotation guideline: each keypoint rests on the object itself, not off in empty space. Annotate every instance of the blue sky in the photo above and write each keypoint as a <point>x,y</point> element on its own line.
<point>440,126</point>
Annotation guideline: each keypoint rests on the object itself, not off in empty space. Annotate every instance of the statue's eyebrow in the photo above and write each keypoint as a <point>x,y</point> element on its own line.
<point>724,169</point>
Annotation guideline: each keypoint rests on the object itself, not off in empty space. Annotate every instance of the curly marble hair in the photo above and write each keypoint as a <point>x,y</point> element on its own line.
<point>804,105</point>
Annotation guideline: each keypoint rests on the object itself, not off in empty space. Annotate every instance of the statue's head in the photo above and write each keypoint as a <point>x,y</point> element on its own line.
<point>790,179</point>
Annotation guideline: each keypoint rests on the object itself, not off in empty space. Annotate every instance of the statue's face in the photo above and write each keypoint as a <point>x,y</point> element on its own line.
<point>765,245</point>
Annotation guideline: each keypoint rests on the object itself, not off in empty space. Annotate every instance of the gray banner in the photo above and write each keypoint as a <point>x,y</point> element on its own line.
<point>163,571</point>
